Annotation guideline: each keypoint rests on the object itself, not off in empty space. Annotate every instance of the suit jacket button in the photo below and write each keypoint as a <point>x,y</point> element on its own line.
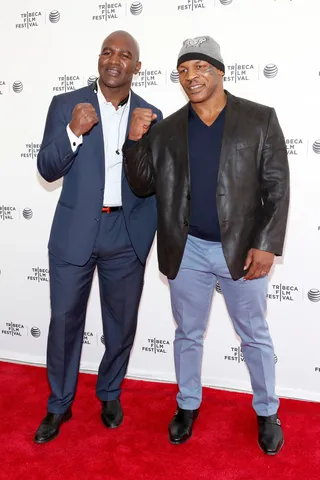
<point>188,196</point>
<point>185,223</point>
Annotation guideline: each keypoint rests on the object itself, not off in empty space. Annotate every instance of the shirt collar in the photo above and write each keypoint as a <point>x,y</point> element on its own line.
<point>103,101</point>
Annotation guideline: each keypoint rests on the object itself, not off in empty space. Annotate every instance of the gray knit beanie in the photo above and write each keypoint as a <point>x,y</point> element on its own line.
<point>201,48</point>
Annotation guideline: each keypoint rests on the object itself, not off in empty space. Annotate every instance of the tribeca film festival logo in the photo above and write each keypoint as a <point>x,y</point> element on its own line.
<point>10,212</point>
<point>240,72</point>
<point>31,150</point>
<point>237,356</point>
<point>110,11</point>
<point>148,78</point>
<point>67,83</point>
<point>156,346</point>
<point>14,329</point>
<point>192,5</point>
<point>34,19</point>
<point>295,146</point>
<point>87,338</point>
<point>38,275</point>
<point>284,293</point>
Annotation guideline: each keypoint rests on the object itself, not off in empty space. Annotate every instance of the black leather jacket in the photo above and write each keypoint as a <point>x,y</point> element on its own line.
<point>252,189</point>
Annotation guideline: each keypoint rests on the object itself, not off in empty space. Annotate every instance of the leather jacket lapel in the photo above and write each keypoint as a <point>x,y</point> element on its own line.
<point>231,120</point>
<point>181,139</point>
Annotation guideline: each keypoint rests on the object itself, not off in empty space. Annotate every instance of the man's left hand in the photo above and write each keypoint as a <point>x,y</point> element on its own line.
<point>260,263</point>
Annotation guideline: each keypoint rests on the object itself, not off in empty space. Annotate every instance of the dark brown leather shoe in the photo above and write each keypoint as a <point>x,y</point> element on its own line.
<point>270,438</point>
<point>180,428</point>
<point>50,426</point>
<point>112,415</point>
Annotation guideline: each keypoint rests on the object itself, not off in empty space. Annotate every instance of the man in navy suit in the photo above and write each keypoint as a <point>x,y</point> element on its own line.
<point>99,223</point>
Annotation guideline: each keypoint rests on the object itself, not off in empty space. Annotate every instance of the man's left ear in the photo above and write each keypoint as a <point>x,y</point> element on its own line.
<point>138,68</point>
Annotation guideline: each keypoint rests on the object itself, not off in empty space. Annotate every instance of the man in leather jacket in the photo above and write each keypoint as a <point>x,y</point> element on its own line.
<point>219,170</point>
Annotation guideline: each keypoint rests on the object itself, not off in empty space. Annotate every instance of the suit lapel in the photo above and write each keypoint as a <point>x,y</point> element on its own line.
<point>96,133</point>
<point>134,103</point>
<point>231,120</point>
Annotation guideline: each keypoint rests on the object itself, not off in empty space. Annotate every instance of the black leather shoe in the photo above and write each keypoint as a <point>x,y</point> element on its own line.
<point>50,426</point>
<point>270,438</point>
<point>180,428</point>
<point>112,414</point>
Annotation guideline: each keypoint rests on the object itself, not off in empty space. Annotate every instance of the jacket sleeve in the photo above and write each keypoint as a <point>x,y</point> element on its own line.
<point>55,157</point>
<point>138,164</point>
<point>275,188</point>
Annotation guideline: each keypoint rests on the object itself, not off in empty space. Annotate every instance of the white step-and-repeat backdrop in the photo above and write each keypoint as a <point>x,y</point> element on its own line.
<point>271,52</point>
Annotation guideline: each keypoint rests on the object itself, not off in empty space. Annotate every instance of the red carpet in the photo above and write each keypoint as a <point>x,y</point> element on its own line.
<point>224,444</point>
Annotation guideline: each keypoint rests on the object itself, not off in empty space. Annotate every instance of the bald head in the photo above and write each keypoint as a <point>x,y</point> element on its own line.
<point>122,37</point>
<point>118,62</point>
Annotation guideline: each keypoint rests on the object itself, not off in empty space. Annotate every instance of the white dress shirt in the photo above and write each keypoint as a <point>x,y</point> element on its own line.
<point>114,127</point>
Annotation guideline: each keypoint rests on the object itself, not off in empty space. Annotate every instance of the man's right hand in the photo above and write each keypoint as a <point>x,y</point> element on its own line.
<point>84,117</point>
<point>140,122</point>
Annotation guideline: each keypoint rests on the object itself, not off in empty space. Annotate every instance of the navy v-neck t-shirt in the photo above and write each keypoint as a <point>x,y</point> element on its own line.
<point>204,157</point>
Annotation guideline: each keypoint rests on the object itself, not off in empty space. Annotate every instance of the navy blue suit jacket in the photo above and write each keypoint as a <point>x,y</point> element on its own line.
<point>76,220</point>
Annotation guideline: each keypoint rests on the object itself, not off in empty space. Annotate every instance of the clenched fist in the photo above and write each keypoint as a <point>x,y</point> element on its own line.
<point>140,122</point>
<point>84,117</point>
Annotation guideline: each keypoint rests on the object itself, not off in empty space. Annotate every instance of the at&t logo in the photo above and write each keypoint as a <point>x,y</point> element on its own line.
<point>54,16</point>
<point>316,147</point>
<point>314,295</point>
<point>35,332</point>
<point>270,70</point>
<point>17,86</point>
<point>91,80</point>
<point>27,213</point>
<point>136,8</point>
<point>156,346</point>
<point>174,76</point>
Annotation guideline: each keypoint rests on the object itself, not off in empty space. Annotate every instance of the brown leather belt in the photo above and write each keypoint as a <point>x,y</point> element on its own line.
<point>111,209</point>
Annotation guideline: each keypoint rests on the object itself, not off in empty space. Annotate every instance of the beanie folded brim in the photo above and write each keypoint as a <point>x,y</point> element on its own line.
<point>201,56</point>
